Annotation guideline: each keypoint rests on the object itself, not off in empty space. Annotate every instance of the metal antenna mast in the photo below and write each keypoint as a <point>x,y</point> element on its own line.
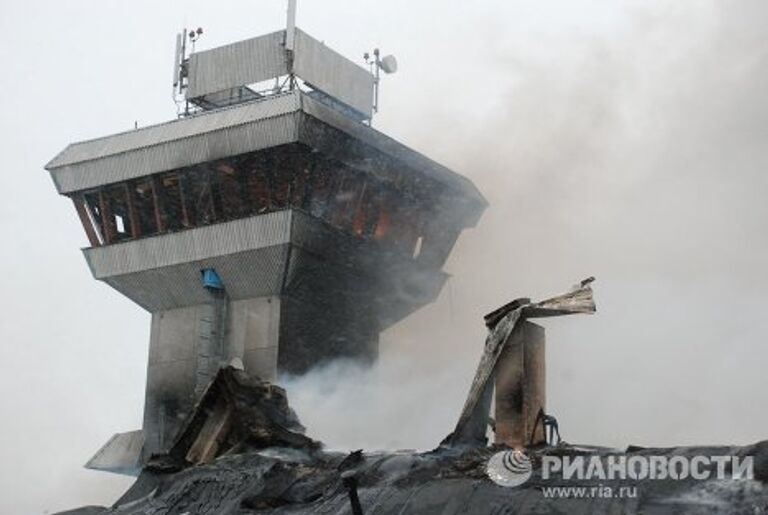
<point>290,40</point>
<point>387,63</point>
<point>290,27</point>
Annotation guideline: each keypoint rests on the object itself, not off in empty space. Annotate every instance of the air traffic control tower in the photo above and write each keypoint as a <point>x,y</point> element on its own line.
<point>269,225</point>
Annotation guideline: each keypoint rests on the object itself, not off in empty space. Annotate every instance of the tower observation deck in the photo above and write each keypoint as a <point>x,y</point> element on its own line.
<point>272,227</point>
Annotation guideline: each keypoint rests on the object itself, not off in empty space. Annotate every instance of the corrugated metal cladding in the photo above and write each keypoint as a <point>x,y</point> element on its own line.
<point>255,134</point>
<point>253,259</point>
<point>262,58</point>
<point>231,131</point>
<point>333,73</point>
<point>202,148</point>
<point>209,121</point>
<point>190,245</point>
<point>255,273</point>
<point>239,64</point>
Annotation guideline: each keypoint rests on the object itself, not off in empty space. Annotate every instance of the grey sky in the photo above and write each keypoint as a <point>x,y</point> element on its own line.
<point>625,140</point>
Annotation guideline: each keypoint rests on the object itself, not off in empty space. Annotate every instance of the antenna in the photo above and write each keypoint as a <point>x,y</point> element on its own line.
<point>387,64</point>
<point>178,58</point>
<point>180,64</point>
<point>194,36</point>
<point>290,26</point>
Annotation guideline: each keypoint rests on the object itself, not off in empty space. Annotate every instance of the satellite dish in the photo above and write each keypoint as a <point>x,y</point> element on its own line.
<point>388,64</point>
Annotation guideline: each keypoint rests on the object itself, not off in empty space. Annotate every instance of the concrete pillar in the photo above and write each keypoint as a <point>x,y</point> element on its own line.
<point>171,374</point>
<point>521,387</point>
<point>254,332</point>
<point>188,346</point>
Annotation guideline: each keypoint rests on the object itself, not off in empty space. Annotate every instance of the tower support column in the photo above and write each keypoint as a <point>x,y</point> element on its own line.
<point>189,345</point>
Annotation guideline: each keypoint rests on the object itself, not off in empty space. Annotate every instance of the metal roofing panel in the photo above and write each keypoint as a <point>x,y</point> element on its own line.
<point>238,64</point>
<point>201,148</point>
<point>332,73</point>
<point>202,123</point>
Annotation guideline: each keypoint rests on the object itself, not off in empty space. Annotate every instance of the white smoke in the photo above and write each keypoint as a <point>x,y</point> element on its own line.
<point>637,155</point>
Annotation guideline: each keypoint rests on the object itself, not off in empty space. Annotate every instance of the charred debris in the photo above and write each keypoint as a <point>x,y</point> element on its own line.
<point>243,450</point>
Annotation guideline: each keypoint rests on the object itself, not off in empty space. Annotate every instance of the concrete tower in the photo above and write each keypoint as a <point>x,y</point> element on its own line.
<point>269,224</point>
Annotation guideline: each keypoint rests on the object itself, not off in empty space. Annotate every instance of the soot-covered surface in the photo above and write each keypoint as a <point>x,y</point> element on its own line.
<point>446,481</point>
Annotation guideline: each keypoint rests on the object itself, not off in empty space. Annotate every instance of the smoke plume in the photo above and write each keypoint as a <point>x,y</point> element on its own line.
<point>636,155</point>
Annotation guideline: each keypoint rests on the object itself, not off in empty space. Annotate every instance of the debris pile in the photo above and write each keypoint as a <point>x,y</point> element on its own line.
<point>242,450</point>
<point>444,481</point>
<point>235,414</point>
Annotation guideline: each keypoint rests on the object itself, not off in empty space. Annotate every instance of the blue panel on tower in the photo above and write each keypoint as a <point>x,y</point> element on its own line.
<point>212,280</point>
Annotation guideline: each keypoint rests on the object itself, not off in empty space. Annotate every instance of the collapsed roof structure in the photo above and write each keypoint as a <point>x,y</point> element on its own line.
<point>512,369</point>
